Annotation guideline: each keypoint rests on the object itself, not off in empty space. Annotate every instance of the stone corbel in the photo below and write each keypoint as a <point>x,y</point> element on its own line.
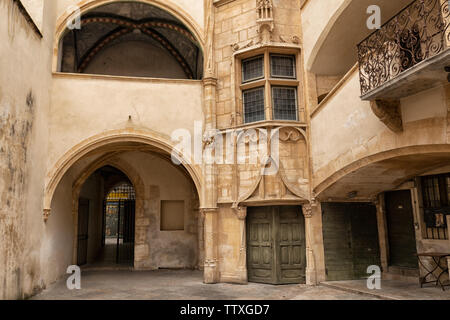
<point>240,212</point>
<point>388,111</point>
<point>46,214</point>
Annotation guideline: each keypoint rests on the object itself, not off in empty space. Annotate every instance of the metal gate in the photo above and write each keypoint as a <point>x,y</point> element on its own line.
<point>119,223</point>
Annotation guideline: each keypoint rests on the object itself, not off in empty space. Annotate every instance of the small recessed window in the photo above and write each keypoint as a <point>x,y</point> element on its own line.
<point>172,215</point>
<point>282,66</point>
<point>284,103</point>
<point>253,69</point>
<point>253,105</point>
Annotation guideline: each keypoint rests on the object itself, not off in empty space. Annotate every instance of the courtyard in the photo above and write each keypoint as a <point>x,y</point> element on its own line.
<point>187,284</point>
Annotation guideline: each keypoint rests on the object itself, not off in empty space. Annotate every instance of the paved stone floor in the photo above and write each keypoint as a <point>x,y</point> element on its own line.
<point>185,284</point>
<point>393,290</point>
<point>181,285</point>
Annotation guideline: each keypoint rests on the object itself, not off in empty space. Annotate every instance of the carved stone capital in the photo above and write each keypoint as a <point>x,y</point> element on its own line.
<point>388,111</point>
<point>204,211</point>
<point>241,212</point>
<point>210,80</point>
<point>307,211</point>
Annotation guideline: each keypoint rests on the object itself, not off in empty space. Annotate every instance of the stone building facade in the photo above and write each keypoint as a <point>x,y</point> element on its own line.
<point>330,141</point>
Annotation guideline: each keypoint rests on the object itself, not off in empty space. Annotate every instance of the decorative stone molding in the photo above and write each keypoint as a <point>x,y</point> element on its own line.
<point>264,20</point>
<point>290,135</point>
<point>388,111</point>
<point>292,39</point>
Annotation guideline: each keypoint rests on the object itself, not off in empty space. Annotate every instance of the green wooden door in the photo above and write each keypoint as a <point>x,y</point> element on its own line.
<point>350,236</point>
<point>260,253</point>
<point>400,225</point>
<point>276,251</point>
<point>337,241</point>
<point>290,244</point>
<point>365,244</point>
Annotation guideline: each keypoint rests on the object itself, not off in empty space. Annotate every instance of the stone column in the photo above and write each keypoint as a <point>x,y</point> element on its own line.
<point>382,232</point>
<point>315,261</point>
<point>241,213</point>
<point>201,240</point>
<point>209,210</point>
<point>211,269</point>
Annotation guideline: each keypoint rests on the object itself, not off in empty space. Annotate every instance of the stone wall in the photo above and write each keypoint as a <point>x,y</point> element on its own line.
<point>24,103</point>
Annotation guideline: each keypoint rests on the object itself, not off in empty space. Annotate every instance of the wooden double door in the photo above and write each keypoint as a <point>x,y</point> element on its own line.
<point>350,238</point>
<point>276,246</point>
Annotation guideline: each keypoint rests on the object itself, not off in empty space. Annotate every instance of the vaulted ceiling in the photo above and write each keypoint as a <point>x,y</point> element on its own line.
<point>123,22</point>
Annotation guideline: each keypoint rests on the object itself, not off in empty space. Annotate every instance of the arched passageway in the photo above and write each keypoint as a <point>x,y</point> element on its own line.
<point>106,219</point>
<point>165,231</point>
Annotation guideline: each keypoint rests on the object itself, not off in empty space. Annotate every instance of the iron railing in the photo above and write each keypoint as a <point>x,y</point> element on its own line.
<point>415,34</point>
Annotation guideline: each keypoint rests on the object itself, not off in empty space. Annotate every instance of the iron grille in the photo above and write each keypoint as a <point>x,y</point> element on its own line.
<point>284,103</point>
<point>415,34</point>
<point>253,105</point>
<point>122,192</point>
<point>282,66</point>
<point>253,69</point>
<point>436,204</point>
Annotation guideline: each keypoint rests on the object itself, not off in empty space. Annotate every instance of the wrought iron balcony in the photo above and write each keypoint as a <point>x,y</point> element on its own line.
<point>415,41</point>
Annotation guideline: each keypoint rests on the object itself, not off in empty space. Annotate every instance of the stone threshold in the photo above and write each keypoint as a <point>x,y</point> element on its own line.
<point>371,293</point>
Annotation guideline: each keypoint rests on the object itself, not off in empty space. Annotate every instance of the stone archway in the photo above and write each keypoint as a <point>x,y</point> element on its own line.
<point>113,139</point>
<point>420,159</point>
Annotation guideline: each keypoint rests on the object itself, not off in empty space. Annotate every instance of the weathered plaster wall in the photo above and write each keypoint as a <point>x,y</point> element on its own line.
<point>58,236</point>
<point>36,10</point>
<point>316,16</point>
<point>84,106</point>
<point>334,142</point>
<point>24,103</point>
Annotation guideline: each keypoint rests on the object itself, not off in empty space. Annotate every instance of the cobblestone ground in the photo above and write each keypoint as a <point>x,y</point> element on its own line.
<point>181,285</point>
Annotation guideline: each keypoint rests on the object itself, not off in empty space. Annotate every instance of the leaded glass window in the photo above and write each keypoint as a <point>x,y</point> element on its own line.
<point>253,105</point>
<point>284,103</point>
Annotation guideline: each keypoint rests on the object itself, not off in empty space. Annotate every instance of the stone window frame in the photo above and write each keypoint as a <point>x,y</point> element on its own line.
<point>268,82</point>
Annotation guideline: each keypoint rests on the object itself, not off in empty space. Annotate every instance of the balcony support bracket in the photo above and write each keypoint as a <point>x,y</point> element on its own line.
<point>389,112</point>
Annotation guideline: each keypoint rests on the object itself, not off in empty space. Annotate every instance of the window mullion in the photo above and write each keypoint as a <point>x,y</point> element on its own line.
<point>268,90</point>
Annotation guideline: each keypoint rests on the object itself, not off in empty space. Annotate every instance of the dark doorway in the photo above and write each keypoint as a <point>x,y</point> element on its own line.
<point>106,220</point>
<point>118,224</point>
<point>276,244</point>
<point>83,231</point>
<point>350,236</point>
<point>400,225</point>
